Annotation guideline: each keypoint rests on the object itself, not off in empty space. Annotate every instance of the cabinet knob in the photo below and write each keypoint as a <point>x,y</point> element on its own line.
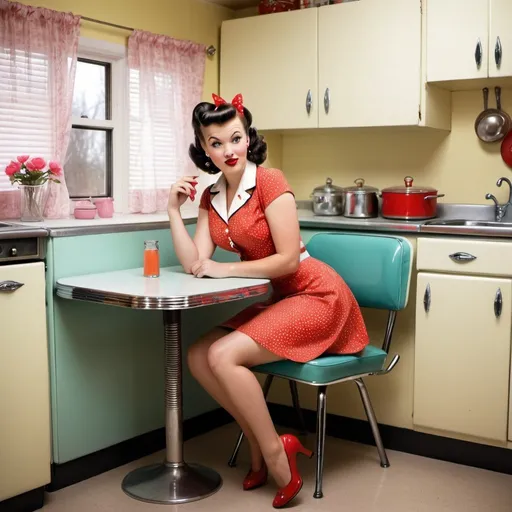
<point>14,251</point>
<point>498,52</point>
<point>309,102</point>
<point>478,54</point>
<point>498,303</point>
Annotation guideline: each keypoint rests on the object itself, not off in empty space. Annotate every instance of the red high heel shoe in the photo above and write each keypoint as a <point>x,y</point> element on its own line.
<point>292,446</point>
<point>255,479</point>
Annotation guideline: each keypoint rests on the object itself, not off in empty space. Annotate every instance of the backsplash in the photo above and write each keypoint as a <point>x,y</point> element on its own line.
<point>456,163</point>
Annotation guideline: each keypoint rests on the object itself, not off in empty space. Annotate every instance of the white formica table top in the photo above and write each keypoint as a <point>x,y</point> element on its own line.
<point>174,289</point>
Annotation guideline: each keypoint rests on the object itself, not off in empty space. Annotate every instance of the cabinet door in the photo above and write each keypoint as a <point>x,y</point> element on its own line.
<point>24,382</point>
<point>370,63</point>
<point>462,355</point>
<point>273,61</point>
<point>455,28</point>
<point>500,38</point>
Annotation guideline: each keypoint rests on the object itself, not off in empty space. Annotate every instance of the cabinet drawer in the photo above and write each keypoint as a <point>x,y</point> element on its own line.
<point>460,255</point>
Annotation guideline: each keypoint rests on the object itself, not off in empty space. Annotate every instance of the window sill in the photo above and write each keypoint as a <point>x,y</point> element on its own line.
<point>117,224</point>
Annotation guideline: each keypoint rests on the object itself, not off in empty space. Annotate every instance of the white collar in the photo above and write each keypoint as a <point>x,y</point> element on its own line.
<point>247,183</point>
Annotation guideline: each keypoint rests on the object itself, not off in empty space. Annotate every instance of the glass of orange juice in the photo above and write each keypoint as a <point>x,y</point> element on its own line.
<point>151,258</point>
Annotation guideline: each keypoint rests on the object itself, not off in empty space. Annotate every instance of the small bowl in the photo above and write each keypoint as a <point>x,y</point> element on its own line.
<point>84,213</point>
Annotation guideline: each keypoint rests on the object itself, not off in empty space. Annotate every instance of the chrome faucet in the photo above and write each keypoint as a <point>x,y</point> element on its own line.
<point>501,209</point>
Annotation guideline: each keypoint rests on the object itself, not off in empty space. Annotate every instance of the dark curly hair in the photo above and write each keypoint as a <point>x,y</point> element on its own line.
<point>206,114</point>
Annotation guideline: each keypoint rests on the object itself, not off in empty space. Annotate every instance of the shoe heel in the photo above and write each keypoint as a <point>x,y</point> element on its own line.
<point>305,451</point>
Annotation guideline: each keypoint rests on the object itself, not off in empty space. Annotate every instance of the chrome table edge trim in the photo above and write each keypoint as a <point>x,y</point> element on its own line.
<point>158,303</point>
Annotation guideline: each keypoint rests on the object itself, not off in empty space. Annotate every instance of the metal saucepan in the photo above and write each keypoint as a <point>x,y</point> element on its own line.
<point>361,201</point>
<point>328,199</point>
<point>492,124</point>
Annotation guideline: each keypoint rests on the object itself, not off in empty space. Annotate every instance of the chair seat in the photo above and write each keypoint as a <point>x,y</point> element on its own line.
<point>329,368</point>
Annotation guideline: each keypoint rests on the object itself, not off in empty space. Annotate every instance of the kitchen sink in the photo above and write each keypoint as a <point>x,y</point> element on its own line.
<point>468,227</point>
<point>469,223</point>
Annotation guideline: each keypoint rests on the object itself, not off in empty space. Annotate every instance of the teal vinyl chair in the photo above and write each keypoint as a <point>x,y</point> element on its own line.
<point>377,268</point>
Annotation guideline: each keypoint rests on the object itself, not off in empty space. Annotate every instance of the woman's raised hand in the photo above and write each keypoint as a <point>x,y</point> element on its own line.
<point>180,191</point>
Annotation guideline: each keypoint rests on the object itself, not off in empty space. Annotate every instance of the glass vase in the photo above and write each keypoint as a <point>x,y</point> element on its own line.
<point>33,202</point>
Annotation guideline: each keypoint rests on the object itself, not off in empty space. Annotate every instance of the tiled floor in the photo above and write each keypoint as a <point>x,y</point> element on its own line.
<point>353,482</point>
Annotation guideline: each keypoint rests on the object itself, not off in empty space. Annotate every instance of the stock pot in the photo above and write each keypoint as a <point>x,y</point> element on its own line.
<point>409,202</point>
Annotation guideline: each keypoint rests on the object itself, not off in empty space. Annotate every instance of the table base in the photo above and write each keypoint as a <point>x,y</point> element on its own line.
<point>171,483</point>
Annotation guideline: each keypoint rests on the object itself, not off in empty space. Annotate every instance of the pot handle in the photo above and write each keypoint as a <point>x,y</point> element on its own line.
<point>433,197</point>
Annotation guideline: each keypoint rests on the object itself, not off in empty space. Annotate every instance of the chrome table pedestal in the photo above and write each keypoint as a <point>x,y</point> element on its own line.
<point>173,480</point>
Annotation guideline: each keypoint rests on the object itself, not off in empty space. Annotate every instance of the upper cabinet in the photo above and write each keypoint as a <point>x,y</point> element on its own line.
<point>273,61</point>
<point>457,39</point>
<point>369,72</point>
<point>500,38</point>
<point>356,64</point>
<point>468,39</point>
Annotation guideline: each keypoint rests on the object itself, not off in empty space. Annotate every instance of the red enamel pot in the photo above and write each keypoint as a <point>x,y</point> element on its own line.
<point>409,202</point>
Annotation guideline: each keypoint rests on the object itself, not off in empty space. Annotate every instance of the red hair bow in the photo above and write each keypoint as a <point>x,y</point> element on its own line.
<point>237,102</point>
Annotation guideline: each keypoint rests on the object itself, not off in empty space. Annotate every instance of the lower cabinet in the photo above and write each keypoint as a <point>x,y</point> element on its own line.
<point>462,355</point>
<point>24,381</point>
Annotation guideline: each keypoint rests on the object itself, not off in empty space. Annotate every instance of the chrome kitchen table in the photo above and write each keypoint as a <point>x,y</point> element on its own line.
<point>172,481</point>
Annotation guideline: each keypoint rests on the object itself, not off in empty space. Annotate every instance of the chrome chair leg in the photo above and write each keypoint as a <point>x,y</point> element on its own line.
<point>365,397</point>
<point>296,405</point>
<point>232,460</point>
<point>321,417</point>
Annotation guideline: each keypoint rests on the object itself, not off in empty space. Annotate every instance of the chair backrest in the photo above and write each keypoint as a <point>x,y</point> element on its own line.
<point>377,268</point>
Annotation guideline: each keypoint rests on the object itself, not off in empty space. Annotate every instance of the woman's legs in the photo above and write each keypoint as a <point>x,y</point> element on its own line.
<point>200,369</point>
<point>229,359</point>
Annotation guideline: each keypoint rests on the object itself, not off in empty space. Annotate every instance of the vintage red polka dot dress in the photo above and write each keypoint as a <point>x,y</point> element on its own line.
<point>312,311</point>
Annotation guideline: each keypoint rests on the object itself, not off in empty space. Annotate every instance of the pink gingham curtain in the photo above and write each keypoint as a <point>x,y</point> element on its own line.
<point>166,82</point>
<point>29,34</point>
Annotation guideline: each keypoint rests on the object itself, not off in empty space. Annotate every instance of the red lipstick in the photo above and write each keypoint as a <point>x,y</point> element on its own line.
<point>231,162</point>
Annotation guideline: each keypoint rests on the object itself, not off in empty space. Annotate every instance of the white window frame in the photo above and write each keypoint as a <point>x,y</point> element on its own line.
<point>115,55</point>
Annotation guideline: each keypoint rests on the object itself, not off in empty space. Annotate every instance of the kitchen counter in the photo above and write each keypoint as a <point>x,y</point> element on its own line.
<point>142,222</point>
<point>308,219</point>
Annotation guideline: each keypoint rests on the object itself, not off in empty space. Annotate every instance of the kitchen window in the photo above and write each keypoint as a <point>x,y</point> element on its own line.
<point>96,161</point>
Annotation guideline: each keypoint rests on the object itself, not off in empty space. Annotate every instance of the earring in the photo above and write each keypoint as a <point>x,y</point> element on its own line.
<point>207,155</point>
<point>207,164</point>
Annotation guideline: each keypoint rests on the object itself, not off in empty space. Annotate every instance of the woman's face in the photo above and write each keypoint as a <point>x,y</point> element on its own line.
<point>227,145</point>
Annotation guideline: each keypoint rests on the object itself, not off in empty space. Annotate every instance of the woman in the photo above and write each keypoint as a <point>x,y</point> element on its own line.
<point>251,210</point>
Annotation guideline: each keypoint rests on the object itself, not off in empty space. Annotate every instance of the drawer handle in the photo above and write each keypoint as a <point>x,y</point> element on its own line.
<point>498,303</point>
<point>10,286</point>
<point>462,256</point>
<point>427,298</point>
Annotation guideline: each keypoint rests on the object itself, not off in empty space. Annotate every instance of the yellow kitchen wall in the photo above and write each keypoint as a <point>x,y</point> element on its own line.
<point>194,20</point>
<point>457,163</point>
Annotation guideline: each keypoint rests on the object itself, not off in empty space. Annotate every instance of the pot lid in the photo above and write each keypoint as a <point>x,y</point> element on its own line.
<point>328,188</point>
<point>409,188</point>
<point>360,187</point>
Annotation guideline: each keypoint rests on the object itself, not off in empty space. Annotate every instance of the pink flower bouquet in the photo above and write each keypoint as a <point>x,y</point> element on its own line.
<point>31,171</point>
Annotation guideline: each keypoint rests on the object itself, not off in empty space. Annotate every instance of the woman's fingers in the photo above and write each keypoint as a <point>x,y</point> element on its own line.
<point>196,267</point>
